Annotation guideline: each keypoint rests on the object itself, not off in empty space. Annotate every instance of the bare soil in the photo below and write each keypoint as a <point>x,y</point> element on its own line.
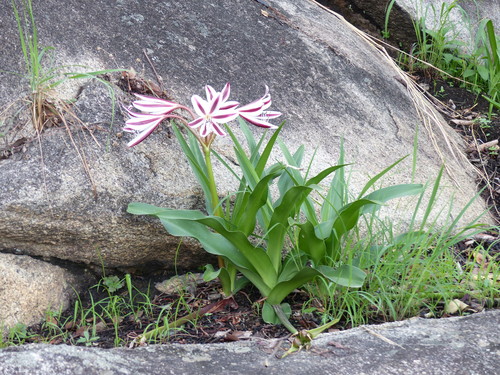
<point>468,114</point>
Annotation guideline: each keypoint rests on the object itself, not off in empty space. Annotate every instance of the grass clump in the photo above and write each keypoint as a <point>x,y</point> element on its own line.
<point>43,76</point>
<point>110,305</point>
<point>439,50</point>
<point>416,273</point>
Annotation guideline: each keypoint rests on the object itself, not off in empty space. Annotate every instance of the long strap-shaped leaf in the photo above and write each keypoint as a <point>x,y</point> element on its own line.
<point>137,208</point>
<point>337,193</point>
<point>391,192</point>
<point>345,275</point>
<point>284,288</point>
<point>197,163</point>
<point>184,223</point>
<point>213,243</point>
<point>261,165</point>
<point>246,218</point>
<point>256,256</point>
<point>289,205</point>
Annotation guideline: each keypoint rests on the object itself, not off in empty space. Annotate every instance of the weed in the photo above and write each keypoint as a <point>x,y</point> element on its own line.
<point>112,283</point>
<point>87,339</point>
<point>18,334</point>
<point>385,33</point>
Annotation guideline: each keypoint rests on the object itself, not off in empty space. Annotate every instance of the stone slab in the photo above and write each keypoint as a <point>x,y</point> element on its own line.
<point>459,346</point>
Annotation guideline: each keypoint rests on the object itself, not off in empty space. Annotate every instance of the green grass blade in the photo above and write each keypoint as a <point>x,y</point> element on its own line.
<point>372,181</point>
<point>490,30</point>
<point>432,198</point>
<point>267,151</point>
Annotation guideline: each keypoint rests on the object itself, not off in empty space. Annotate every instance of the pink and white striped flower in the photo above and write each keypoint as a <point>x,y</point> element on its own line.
<point>255,113</point>
<point>154,110</point>
<point>214,111</point>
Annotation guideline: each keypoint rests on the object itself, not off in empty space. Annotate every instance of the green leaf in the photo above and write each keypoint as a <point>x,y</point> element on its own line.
<point>468,73</point>
<point>256,256</point>
<point>345,220</point>
<point>269,315</point>
<point>337,193</point>
<point>258,198</point>
<point>345,275</point>
<point>284,288</point>
<point>256,281</point>
<point>210,273</point>
<point>333,248</point>
<point>288,207</point>
<point>241,282</point>
<point>137,208</point>
<point>492,38</point>
<point>391,192</point>
<point>252,145</point>
<point>373,180</point>
<point>213,243</point>
<point>349,216</point>
<point>323,174</point>
<point>223,275</point>
<point>291,265</point>
<point>324,229</point>
<point>197,164</point>
<point>293,177</point>
<point>246,165</point>
<point>267,151</point>
<point>310,244</point>
<point>483,72</point>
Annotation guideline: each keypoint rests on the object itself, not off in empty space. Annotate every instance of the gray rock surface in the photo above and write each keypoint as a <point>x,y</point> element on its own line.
<point>29,287</point>
<point>329,83</point>
<point>460,346</point>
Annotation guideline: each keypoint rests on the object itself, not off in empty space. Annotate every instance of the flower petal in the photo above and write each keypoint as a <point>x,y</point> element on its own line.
<point>214,106</point>
<point>259,121</point>
<point>224,116</point>
<point>196,123</point>
<point>138,126</point>
<point>140,137</point>
<point>225,92</point>
<point>210,91</point>
<point>200,105</point>
<point>154,105</point>
<point>229,105</point>
<point>218,130</point>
